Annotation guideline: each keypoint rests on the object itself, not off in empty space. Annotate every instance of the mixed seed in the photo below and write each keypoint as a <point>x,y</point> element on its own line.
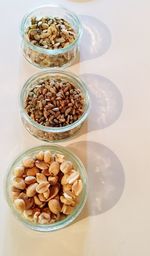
<point>46,188</point>
<point>50,33</point>
<point>54,102</point>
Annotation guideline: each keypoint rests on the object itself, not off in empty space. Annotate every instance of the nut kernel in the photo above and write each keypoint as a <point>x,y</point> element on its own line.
<point>31,190</point>
<point>28,162</point>
<point>77,187</point>
<point>54,168</point>
<point>42,187</point>
<point>20,205</point>
<point>19,183</point>
<point>19,171</point>
<point>47,156</point>
<point>66,166</point>
<point>41,178</point>
<point>54,206</point>
<point>30,180</point>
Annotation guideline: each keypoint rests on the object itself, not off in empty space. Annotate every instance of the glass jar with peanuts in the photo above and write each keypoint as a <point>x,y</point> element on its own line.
<point>46,188</point>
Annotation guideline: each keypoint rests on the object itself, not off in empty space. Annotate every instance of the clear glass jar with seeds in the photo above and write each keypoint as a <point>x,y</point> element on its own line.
<point>50,36</point>
<point>43,195</point>
<point>54,104</point>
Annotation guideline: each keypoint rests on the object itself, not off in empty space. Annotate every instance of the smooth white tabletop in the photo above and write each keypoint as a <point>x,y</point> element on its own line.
<point>114,144</point>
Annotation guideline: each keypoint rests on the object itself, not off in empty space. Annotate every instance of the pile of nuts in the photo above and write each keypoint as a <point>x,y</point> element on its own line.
<point>50,33</point>
<point>46,188</point>
<point>54,102</point>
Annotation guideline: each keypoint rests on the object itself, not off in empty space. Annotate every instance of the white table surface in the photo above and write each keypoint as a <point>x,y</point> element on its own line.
<point>114,144</point>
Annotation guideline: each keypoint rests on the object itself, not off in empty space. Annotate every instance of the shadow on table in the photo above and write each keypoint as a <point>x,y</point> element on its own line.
<point>96,38</point>
<point>106,178</point>
<point>106,102</point>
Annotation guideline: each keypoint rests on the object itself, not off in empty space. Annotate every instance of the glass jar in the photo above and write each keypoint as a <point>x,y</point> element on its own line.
<point>53,134</point>
<point>78,166</point>
<point>49,58</point>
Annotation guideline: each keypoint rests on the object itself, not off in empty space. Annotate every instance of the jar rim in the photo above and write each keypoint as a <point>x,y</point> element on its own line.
<point>55,129</point>
<point>70,218</point>
<point>51,51</point>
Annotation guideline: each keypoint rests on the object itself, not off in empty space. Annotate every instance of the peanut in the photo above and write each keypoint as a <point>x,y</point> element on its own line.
<point>73,177</point>
<point>20,205</point>
<point>54,168</point>
<point>28,162</point>
<point>67,201</point>
<point>46,187</point>
<point>19,171</point>
<point>54,206</point>
<point>53,180</point>
<point>19,183</point>
<point>54,191</point>
<point>41,165</point>
<point>67,209</point>
<point>47,156</point>
<point>31,190</point>
<point>37,201</point>
<point>42,197</point>
<point>77,187</point>
<point>66,166</point>
<point>59,158</point>
<point>41,178</point>
<point>30,179</point>
<point>40,156</point>
<point>44,218</point>
<point>32,171</point>
<point>42,187</point>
